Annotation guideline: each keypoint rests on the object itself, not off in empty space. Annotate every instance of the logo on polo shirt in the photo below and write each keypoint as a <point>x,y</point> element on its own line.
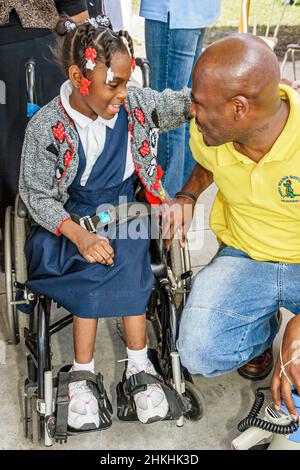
<point>289,189</point>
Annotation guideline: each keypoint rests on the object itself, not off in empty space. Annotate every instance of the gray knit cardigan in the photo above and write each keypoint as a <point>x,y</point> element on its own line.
<point>50,151</point>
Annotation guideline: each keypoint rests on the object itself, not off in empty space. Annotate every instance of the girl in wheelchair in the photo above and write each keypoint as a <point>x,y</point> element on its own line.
<point>82,150</point>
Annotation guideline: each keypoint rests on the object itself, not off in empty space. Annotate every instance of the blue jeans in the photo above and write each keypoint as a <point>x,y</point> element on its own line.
<point>230,316</point>
<point>172,54</point>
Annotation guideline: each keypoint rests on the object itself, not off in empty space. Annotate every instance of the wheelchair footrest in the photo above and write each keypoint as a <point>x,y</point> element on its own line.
<point>95,383</point>
<point>126,408</point>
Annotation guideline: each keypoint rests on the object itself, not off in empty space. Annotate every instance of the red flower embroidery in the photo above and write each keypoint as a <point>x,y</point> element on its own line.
<point>59,132</point>
<point>67,158</point>
<point>140,116</point>
<point>145,149</point>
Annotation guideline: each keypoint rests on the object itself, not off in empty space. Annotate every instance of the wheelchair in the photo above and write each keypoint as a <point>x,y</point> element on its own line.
<point>41,394</point>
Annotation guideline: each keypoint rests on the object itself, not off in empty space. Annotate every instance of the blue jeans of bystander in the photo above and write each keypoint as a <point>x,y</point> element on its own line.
<point>172,54</point>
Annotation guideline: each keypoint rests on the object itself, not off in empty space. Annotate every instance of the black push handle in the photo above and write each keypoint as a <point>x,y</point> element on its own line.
<point>30,73</point>
<point>145,69</point>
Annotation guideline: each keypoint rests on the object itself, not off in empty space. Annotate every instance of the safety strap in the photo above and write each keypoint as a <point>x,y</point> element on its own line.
<point>117,215</point>
<point>95,382</point>
<point>136,383</point>
<point>62,402</point>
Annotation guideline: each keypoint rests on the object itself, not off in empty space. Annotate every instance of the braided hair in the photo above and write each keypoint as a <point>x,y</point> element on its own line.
<point>74,40</point>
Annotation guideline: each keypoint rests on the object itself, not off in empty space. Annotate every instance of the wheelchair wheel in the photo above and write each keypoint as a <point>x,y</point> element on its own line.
<point>10,276</point>
<point>197,401</point>
<point>19,244</point>
<point>19,239</point>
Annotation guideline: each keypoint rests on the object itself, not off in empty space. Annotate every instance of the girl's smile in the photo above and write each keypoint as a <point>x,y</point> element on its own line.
<point>115,108</point>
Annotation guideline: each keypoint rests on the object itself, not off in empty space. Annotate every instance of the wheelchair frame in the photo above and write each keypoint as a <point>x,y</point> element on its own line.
<point>172,285</point>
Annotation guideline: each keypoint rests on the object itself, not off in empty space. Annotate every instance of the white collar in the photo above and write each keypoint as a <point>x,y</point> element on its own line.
<point>80,119</point>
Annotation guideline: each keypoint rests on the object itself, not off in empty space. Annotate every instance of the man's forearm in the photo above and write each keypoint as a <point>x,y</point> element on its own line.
<point>199,180</point>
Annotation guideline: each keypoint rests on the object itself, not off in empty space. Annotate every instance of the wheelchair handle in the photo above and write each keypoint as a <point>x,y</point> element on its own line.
<point>30,73</point>
<point>145,69</point>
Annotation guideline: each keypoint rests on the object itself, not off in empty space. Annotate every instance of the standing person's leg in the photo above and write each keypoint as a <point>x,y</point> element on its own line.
<point>157,38</point>
<point>171,55</point>
<point>49,75</point>
<point>152,403</point>
<point>189,162</point>
<point>230,316</point>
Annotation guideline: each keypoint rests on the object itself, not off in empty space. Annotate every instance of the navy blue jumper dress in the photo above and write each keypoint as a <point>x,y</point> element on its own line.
<point>57,270</point>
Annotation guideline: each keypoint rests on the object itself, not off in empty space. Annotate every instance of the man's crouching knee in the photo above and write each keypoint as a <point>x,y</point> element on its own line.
<point>197,360</point>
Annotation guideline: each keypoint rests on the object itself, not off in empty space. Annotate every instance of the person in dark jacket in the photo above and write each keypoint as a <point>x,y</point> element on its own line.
<point>26,32</point>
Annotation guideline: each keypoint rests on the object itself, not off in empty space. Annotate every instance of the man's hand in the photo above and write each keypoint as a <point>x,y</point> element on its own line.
<point>280,385</point>
<point>177,217</point>
<point>178,213</point>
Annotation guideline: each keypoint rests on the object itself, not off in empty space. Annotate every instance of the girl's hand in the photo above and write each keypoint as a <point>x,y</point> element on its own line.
<point>95,249</point>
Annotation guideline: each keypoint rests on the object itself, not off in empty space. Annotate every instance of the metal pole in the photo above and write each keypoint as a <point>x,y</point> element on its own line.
<point>244,18</point>
<point>48,406</point>
<point>176,369</point>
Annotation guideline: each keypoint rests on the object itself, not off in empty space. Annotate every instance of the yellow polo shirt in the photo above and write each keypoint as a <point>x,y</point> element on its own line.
<point>257,207</point>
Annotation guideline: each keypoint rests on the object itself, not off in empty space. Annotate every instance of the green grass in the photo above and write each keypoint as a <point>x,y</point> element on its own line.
<point>230,13</point>
<point>135,6</point>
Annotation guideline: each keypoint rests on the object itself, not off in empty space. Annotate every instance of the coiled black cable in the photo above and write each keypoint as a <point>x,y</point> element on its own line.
<point>252,420</point>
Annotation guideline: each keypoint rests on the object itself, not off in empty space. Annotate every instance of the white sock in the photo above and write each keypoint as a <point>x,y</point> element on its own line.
<point>138,357</point>
<point>90,366</point>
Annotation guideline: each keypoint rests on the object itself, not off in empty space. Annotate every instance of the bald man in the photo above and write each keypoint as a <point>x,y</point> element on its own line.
<point>245,136</point>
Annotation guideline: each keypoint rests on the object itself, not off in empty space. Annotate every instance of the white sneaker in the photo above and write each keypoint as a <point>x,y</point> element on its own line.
<point>151,405</point>
<point>83,410</point>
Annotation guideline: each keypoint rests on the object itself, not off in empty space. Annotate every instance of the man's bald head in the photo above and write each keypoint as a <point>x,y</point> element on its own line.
<point>241,64</point>
<point>235,87</point>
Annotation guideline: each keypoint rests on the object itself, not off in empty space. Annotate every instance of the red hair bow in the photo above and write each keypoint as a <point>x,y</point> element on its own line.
<point>84,89</point>
<point>133,64</point>
<point>90,54</point>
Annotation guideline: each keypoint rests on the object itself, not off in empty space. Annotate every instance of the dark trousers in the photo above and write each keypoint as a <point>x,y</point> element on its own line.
<point>13,103</point>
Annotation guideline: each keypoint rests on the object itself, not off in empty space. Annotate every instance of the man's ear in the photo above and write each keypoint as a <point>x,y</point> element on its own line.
<point>75,76</point>
<point>240,107</point>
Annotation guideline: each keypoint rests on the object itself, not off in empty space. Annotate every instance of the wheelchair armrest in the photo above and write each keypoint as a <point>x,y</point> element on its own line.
<point>158,262</point>
<point>22,209</point>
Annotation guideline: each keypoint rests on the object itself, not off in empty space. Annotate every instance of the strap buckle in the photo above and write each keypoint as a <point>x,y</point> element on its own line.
<point>87,223</point>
